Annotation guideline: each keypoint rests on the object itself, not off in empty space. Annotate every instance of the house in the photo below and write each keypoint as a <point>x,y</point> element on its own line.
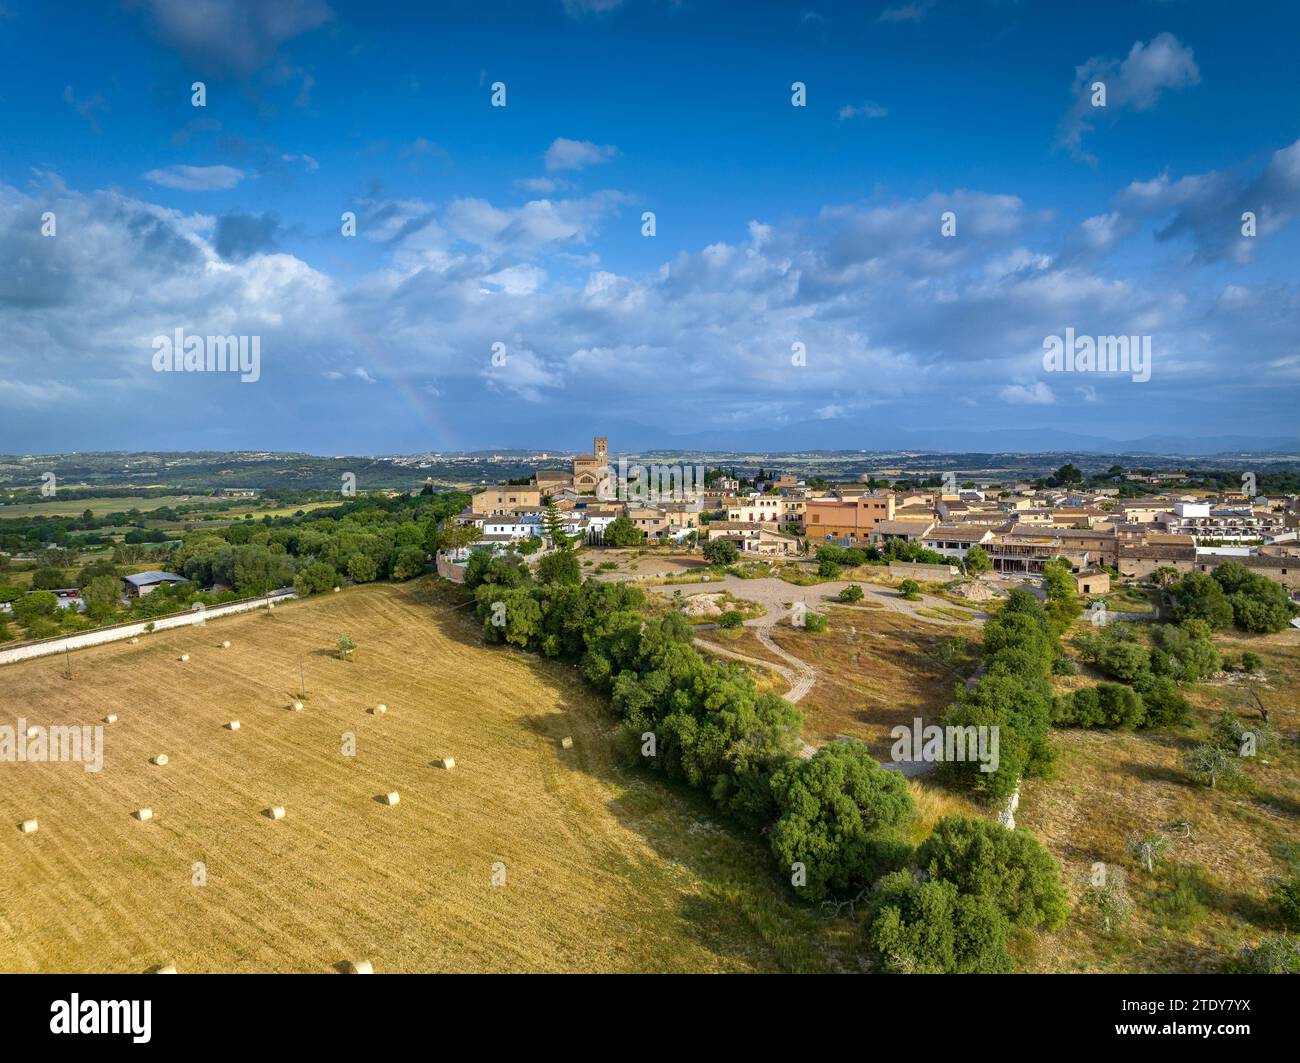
<point>142,583</point>
<point>770,543</point>
<point>955,540</point>
<point>1092,581</point>
<point>848,521</point>
<point>909,531</point>
<point>505,498</point>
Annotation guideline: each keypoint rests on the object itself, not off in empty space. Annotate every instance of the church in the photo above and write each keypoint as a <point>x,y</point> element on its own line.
<point>586,467</point>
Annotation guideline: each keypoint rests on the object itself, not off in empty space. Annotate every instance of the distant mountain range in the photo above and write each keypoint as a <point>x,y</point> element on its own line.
<point>838,435</point>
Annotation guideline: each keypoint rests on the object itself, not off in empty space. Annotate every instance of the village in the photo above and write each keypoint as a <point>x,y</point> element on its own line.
<point>1018,527</point>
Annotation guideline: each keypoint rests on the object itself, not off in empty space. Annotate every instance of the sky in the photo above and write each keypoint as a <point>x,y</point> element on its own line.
<point>878,267</point>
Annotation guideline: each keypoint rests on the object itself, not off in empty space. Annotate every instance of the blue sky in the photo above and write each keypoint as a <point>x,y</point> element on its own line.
<point>521,224</point>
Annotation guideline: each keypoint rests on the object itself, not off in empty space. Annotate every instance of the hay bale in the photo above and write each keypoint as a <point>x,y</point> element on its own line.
<point>134,641</point>
<point>111,718</point>
<point>166,968</point>
<point>296,706</point>
<point>391,799</point>
<point>446,762</point>
<point>226,644</point>
<point>379,709</point>
<point>360,967</point>
<point>275,812</point>
<point>566,742</point>
<point>143,814</point>
<point>336,590</point>
<point>233,725</point>
<point>160,760</point>
<point>184,657</point>
<point>27,826</point>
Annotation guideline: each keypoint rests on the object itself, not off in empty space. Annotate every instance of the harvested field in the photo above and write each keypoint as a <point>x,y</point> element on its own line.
<point>604,869</point>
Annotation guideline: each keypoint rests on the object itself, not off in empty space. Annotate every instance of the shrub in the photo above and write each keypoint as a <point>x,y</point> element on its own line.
<point>1273,955</point>
<point>1010,867</point>
<point>1251,662</point>
<point>345,647</point>
<point>1105,705</point>
<point>932,928</point>
<point>1286,895</point>
<point>1210,765</point>
<point>839,815</point>
<point>909,589</point>
<point>720,552</point>
<point>851,593</point>
<point>827,569</point>
<point>814,622</point>
<point>730,620</point>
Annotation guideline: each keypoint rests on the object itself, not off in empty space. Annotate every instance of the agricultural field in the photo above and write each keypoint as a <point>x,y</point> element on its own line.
<point>605,869</point>
<point>75,507</point>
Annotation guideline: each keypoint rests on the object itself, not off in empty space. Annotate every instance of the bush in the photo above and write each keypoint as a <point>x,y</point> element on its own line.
<point>851,593</point>
<point>827,569</point>
<point>1286,895</point>
<point>1273,955</point>
<point>561,566</point>
<point>1010,867</point>
<point>720,552</point>
<point>839,815</point>
<point>909,589</point>
<point>931,928</point>
<point>345,647</point>
<point>1251,662</point>
<point>1105,705</point>
<point>622,532</point>
<point>814,622</point>
<point>731,620</point>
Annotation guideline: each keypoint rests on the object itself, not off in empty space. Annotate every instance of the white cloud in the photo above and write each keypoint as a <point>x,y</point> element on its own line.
<point>1035,394</point>
<point>196,178</point>
<point>863,110</point>
<point>1134,83</point>
<point>565,154</point>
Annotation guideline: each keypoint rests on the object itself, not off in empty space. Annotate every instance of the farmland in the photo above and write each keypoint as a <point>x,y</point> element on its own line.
<point>604,870</point>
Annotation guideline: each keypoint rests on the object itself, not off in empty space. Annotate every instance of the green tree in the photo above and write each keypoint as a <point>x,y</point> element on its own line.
<point>1209,764</point>
<point>553,523</point>
<point>909,589</point>
<point>560,567</point>
<point>1010,867</point>
<point>1198,596</point>
<point>720,552</point>
<point>622,532</point>
<point>102,595</point>
<point>315,578</point>
<point>977,561</point>
<point>49,579</point>
<point>851,593</point>
<point>362,567</point>
<point>38,605</point>
<point>410,562</point>
<point>345,647</point>
<point>933,928</point>
<point>839,815</point>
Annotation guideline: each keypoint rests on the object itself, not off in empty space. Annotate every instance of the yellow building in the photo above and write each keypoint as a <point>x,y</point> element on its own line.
<point>587,467</point>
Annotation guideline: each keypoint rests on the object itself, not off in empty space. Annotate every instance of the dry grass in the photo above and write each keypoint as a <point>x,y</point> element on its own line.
<point>606,870</point>
<point>1107,785</point>
<point>875,671</point>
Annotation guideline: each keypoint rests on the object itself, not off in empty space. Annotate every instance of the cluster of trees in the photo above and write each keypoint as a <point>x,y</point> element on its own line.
<point>831,558</point>
<point>836,822</point>
<point>1014,695</point>
<point>1179,654</point>
<point>698,721</point>
<point>369,538</point>
<point>972,882</point>
<point>1233,594</point>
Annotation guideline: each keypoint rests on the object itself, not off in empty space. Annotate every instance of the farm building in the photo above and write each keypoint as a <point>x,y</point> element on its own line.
<point>142,583</point>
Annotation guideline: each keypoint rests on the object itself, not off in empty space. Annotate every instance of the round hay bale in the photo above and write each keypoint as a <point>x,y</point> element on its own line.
<point>566,742</point>
<point>360,967</point>
<point>134,641</point>
<point>166,968</point>
<point>143,814</point>
<point>275,812</point>
<point>233,725</point>
<point>28,826</point>
<point>184,657</point>
<point>379,709</point>
<point>336,590</point>
<point>225,645</point>
<point>392,799</point>
<point>160,760</point>
<point>111,718</point>
<point>447,762</point>
<point>296,706</point>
